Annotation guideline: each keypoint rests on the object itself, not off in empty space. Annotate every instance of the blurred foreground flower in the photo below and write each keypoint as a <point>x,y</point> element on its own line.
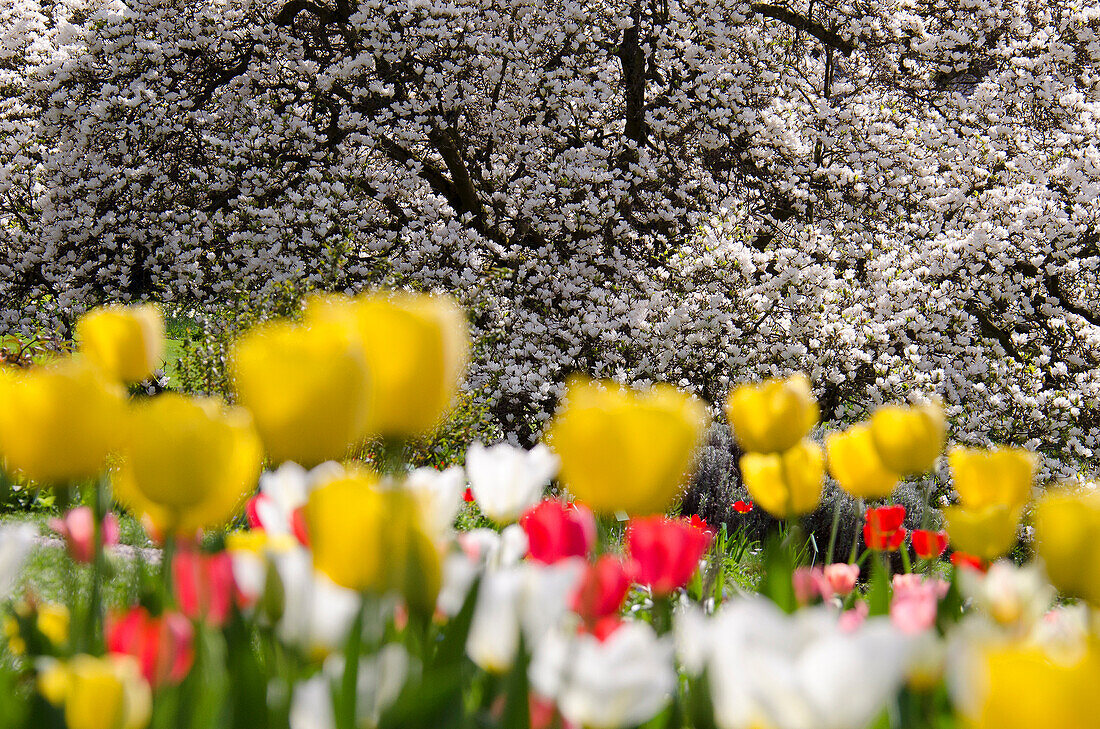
<point>786,484</point>
<point>415,348</point>
<point>855,464</point>
<point>203,584</point>
<point>162,644</point>
<point>98,693</point>
<point>987,533</point>
<point>16,542</point>
<point>187,463</point>
<point>48,620</point>
<point>623,680</point>
<point>909,439</point>
<point>307,388</point>
<point>772,416</point>
<point>1067,537</point>
<point>986,477</point>
<point>928,544</point>
<point>623,450</point>
<point>58,422</point>
<point>507,480</point>
<point>125,342</point>
<point>77,528</point>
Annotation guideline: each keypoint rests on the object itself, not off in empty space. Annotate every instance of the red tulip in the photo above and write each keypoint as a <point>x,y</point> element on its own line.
<point>163,645</point>
<point>742,507</point>
<point>963,560</point>
<point>701,524</point>
<point>203,585</point>
<point>76,529</point>
<point>666,551</point>
<point>556,531</point>
<point>468,495</point>
<point>928,544</point>
<point>601,590</point>
<point>883,530</point>
<point>252,512</point>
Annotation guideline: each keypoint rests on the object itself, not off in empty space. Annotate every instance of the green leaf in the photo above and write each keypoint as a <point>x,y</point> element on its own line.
<point>878,596</point>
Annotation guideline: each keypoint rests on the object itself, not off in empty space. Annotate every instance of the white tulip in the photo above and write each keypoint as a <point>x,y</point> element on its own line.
<point>378,684</point>
<point>506,480</point>
<point>623,680</point>
<point>16,541</point>
<point>439,496</point>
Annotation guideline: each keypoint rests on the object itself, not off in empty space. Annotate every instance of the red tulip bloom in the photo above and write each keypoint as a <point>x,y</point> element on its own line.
<point>203,584</point>
<point>556,531</point>
<point>928,544</point>
<point>468,495</point>
<point>163,645</point>
<point>963,560</point>
<point>601,590</point>
<point>76,529</point>
<point>883,530</point>
<point>742,507</point>
<point>701,524</point>
<point>666,551</point>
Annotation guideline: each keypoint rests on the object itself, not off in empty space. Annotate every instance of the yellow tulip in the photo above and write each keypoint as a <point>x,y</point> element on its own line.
<point>785,484</point>
<point>987,532</point>
<point>307,388</point>
<point>624,450</point>
<point>187,463</point>
<point>1024,688</point>
<point>371,540</point>
<point>909,439</point>
<point>415,347</point>
<point>856,466</point>
<point>772,416</point>
<point>1067,536</point>
<point>50,619</point>
<point>59,422</point>
<point>126,342</point>
<point>100,693</point>
<point>998,476</point>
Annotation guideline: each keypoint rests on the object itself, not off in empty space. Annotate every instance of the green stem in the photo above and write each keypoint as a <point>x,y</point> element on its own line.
<point>855,539</point>
<point>345,715</point>
<point>905,559</point>
<point>832,534</point>
<point>93,617</point>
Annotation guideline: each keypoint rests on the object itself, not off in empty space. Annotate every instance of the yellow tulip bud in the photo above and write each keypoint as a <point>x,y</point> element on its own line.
<point>307,388</point>
<point>126,342</point>
<point>909,439</point>
<point>370,540</point>
<point>998,476</point>
<point>987,532</point>
<point>785,484</point>
<point>187,463</point>
<point>856,465</point>
<point>106,693</point>
<point>1021,687</point>
<point>772,416</point>
<point>58,422</point>
<point>1067,536</point>
<point>415,348</point>
<point>624,450</point>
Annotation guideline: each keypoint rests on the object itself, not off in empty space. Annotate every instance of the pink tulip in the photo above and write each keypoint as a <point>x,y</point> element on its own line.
<point>204,585</point>
<point>850,620</point>
<point>913,609</point>
<point>839,578</point>
<point>163,645</point>
<point>807,582</point>
<point>77,528</point>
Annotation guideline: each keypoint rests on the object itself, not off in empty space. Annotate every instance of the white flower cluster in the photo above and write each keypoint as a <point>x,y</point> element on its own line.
<point>893,196</point>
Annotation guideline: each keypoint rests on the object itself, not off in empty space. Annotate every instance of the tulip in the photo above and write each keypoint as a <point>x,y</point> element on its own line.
<point>49,619</point>
<point>163,645</point>
<point>962,560</point>
<point>913,609</point>
<point>787,484</point>
<point>1067,536</point>
<point>98,693</point>
<point>370,540</point>
<point>928,544</point>
<point>16,542</point>
<point>806,582</point>
<point>307,388</point>
<point>623,450</point>
<point>883,530</point>
<point>1011,595</point>
<point>602,590</point>
<point>415,347</point>
<point>772,416</point>
<point>438,494</point>
<point>507,480</point>
<point>187,464</point>
<point>77,527</point>
<point>623,680</point>
<point>557,531</point>
<point>855,464</point>
<point>468,495</point>
<point>125,342</point>
<point>58,422</point>
<point>742,507</point>
<point>998,476</point>
<point>701,524</point>
<point>839,579</point>
<point>203,585</point>
<point>909,439</point>
<point>986,533</point>
<point>665,551</point>
<point>1018,686</point>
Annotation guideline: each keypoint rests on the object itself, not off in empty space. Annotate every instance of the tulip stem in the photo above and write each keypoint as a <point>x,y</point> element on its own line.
<point>93,617</point>
<point>832,534</point>
<point>345,715</point>
<point>855,539</point>
<point>905,559</point>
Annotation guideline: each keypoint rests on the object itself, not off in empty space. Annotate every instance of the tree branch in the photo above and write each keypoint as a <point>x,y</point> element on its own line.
<point>793,19</point>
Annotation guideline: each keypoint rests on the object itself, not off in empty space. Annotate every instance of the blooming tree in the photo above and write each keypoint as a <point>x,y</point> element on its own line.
<point>894,195</point>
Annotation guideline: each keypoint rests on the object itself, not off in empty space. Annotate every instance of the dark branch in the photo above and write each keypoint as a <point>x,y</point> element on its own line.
<point>793,19</point>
